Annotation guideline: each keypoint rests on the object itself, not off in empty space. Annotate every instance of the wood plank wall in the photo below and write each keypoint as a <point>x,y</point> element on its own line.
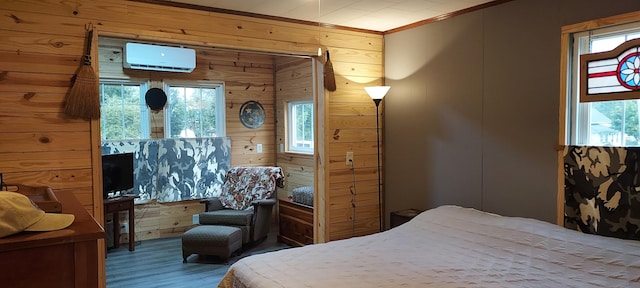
<point>246,76</point>
<point>294,82</point>
<point>41,44</point>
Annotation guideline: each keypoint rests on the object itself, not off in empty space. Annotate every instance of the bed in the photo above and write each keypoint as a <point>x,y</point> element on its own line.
<point>450,246</point>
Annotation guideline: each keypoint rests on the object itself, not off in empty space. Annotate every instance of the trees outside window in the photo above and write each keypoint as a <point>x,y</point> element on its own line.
<point>300,130</point>
<point>195,111</point>
<point>124,114</point>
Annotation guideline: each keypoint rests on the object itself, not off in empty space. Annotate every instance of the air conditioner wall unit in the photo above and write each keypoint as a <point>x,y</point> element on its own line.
<point>159,58</point>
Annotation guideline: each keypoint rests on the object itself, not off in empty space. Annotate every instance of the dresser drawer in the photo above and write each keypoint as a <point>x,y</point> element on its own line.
<point>296,230</point>
<point>297,211</point>
<point>295,223</point>
<point>117,206</point>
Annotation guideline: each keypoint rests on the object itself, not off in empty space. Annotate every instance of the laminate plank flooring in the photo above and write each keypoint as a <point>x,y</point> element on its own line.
<point>158,263</point>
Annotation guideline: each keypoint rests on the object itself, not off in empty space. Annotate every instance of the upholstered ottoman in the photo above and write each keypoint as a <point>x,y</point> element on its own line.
<point>214,240</point>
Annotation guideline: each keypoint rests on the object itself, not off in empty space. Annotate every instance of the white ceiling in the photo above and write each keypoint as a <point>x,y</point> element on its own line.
<point>376,15</point>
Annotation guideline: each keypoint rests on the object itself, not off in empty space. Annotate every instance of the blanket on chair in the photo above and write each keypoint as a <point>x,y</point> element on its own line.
<point>243,185</point>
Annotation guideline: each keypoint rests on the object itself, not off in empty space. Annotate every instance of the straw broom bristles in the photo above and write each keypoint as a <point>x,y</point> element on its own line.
<point>329,77</point>
<point>83,99</point>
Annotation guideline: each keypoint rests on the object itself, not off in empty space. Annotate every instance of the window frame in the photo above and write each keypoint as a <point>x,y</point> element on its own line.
<point>220,102</point>
<point>565,90</point>
<point>578,113</point>
<point>145,126</point>
<point>290,130</point>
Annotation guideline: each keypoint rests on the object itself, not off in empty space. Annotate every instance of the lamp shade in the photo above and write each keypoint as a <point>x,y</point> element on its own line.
<point>377,92</point>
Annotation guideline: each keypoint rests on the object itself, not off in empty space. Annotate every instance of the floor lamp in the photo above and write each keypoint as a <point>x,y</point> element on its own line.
<point>377,93</point>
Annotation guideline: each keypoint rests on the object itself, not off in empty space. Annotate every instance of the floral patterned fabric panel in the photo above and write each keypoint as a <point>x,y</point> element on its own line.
<point>602,190</point>
<point>192,168</point>
<point>169,170</point>
<point>243,185</point>
<point>145,166</point>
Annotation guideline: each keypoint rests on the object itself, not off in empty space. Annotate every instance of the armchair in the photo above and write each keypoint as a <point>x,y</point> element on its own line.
<point>246,201</point>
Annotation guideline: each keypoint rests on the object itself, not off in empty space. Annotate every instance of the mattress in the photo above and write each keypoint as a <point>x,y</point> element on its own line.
<point>450,246</point>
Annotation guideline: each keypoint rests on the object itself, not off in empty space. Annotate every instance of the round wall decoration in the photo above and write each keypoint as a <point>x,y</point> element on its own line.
<point>156,99</point>
<point>252,114</point>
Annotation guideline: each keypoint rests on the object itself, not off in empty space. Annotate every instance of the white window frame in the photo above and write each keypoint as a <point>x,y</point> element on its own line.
<point>220,103</point>
<point>144,110</point>
<point>578,116</point>
<point>291,128</point>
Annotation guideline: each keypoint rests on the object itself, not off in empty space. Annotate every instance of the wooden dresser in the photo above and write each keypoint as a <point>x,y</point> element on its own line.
<point>63,258</point>
<point>296,222</point>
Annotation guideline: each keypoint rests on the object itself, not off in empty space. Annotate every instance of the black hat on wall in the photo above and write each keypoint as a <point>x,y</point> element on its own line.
<point>156,99</point>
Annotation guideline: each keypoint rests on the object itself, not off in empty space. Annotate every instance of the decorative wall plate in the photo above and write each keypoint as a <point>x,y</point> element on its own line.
<point>252,114</point>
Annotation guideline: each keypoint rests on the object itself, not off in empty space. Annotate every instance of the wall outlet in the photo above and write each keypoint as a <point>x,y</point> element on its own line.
<point>195,219</point>
<point>124,228</point>
<point>349,158</point>
<point>259,148</point>
<point>281,147</point>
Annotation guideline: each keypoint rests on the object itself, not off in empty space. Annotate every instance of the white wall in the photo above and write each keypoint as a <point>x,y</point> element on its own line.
<point>472,115</point>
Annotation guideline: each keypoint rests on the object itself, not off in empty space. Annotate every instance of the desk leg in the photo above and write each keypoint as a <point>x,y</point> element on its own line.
<point>116,230</point>
<point>132,235</point>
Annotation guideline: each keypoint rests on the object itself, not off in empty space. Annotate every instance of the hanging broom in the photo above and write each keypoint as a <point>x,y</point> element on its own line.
<point>83,100</point>
<point>329,77</point>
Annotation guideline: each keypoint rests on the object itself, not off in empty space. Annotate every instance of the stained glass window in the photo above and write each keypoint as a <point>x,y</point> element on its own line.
<point>611,75</point>
<point>603,108</point>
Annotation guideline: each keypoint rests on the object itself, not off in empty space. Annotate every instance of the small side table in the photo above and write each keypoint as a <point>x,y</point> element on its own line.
<point>115,205</point>
<point>400,217</point>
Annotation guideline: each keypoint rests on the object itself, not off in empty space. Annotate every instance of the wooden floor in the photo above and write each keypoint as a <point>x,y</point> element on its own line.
<point>158,263</point>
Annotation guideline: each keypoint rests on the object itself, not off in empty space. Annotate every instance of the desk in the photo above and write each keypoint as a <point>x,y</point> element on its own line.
<point>56,259</point>
<point>114,206</point>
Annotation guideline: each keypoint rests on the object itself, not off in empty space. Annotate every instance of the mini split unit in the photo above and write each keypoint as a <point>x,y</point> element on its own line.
<point>159,58</point>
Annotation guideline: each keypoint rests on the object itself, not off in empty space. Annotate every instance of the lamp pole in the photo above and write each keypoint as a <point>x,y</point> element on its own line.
<point>381,215</point>
<point>377,93</point>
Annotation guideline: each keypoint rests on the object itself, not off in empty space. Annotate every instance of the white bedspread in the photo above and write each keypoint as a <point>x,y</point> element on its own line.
<point>450,246</point>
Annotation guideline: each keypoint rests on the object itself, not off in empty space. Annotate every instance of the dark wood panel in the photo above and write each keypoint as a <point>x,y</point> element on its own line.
<point>295,221</point>
<point>61,258</point>
<point>36,273</point>
<point>298,211</point>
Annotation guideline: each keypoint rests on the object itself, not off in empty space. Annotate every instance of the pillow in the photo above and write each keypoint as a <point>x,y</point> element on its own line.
<point>303,195</point>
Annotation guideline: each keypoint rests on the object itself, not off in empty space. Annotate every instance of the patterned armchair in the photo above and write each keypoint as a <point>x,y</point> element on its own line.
<point>247,199</point>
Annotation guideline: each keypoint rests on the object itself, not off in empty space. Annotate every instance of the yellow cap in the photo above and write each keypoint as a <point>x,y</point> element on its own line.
<point>18,213</point>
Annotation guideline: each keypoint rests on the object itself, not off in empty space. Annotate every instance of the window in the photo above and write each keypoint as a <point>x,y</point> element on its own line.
<point>602,123</point>
<point>124,114</point>
<point>195,110</point>
<point>300,129</point>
